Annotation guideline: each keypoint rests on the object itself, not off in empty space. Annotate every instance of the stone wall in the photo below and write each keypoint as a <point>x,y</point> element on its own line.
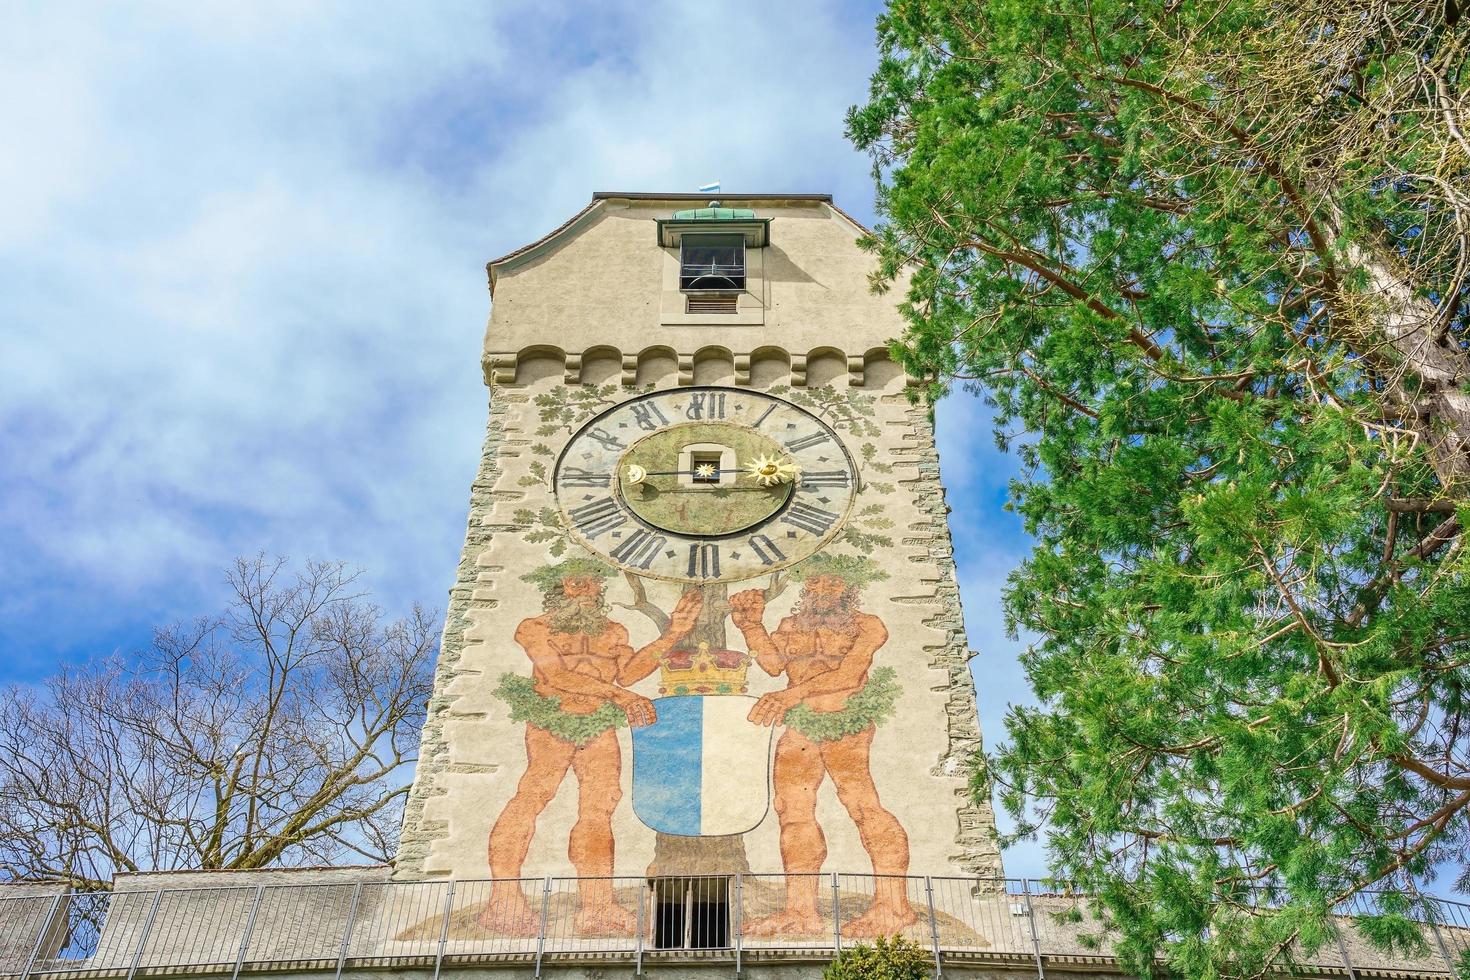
<point>473,589</point>
<point>976,849</point>
<point>24,910</point>
<point>160,918</point>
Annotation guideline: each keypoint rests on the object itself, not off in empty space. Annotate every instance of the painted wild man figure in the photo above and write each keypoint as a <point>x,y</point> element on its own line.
<point>831,706</point>
<point>576,698</point>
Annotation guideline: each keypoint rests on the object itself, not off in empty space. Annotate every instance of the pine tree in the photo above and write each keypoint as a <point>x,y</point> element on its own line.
<point>1208,263</point>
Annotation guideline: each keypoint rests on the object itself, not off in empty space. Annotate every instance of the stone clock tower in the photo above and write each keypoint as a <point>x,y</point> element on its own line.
<point>706,618</point>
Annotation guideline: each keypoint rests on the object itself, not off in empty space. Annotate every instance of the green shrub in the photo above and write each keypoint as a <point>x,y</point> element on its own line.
<point>886,959</point>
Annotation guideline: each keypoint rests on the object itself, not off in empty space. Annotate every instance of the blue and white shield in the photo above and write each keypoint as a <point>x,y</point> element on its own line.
<point>702,769</point>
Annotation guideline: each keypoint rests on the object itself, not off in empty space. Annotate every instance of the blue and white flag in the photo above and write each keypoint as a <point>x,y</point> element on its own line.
<point>702,769</point>
<point>710,188</point>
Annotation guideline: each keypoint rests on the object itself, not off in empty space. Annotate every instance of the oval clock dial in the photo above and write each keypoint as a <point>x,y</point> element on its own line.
<point>675,495</point>
<point>704,484</point>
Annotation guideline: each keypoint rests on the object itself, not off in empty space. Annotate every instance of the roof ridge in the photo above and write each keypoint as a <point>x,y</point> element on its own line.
<point>544,238</point>
<point>700,196</point>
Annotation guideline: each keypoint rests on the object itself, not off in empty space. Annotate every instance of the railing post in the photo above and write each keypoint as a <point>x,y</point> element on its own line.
<point>147,928</point>
<point>347,932</point>
<point>739,923</point>
<point>933,926</point>
<point>541,932</point>
<point>837,916</point>
<point>41,936</point>
<point>249,928</point>
<point>444,930</point>
<point>1031,919</point>
<point>1444,951</point>
<point>688,936</point>
<point>642,927</point>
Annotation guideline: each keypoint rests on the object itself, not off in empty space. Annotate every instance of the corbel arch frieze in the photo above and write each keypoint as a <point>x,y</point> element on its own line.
<point>572,369</point>
<point>499,367</point>
<point>665,366</point>
<point>823,366</point>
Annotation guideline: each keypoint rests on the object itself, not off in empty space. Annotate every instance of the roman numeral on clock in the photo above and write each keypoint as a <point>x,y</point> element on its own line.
<point>826,478</point>
<point>765,549</point>
<point>704,560</point>
<point>597,518</point>
<point>809,518</point>
<point>706,405</point>
<point>605,439</point>
<point>806,442</point>
<point>648,416</point>
<point>575,476</point>
<point>640,548</point>
<point>764,415</point>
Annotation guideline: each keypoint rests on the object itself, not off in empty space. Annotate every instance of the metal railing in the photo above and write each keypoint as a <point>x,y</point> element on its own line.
<point>332,927</point>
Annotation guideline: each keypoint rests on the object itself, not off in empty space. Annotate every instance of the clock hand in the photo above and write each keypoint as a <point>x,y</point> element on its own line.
<point>767,474</point>
<point>636,474</point>
<point>639,477</point>
<point>771,470</point>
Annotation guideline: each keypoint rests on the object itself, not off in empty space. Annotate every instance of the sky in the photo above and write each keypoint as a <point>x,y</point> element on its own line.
<point>242,286</point>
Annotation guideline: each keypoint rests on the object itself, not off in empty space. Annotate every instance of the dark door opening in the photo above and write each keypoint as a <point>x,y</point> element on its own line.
<point>691,913</point>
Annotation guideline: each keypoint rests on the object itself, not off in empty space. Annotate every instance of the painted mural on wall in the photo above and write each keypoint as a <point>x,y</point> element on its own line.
<point>830,709</point>
<point>576,696</point>
<point>709,759</point>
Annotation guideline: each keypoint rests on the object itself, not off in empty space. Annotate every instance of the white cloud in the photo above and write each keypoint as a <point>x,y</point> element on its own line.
<point>241,262</point>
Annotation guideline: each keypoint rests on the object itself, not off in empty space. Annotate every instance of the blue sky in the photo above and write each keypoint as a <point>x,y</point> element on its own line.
<point>242,283</point>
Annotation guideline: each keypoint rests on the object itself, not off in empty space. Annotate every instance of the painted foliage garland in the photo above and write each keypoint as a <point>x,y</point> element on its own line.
<point>528,705</point>
<point>872,705</point>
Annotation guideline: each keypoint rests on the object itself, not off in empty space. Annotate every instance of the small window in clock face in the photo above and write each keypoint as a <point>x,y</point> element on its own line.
<point>706,467</point>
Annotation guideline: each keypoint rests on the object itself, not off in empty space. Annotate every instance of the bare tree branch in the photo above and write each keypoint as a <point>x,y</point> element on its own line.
<point>281,732</point>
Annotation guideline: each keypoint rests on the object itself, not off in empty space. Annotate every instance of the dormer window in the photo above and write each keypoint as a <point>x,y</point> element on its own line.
<point>712,271</point>
<point>712,263</point>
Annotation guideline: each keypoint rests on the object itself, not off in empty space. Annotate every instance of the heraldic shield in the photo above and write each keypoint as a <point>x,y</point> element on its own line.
<point>703,768</point>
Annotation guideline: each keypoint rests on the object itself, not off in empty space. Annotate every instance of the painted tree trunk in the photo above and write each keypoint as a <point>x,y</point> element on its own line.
<point>679,856</point>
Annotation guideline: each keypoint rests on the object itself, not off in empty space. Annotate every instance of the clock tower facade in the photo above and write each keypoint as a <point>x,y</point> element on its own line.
<point>706,618</point>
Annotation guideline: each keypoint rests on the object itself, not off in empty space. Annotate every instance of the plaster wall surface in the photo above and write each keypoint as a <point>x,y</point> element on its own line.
<point>473,752</point>
<point>605,282</point>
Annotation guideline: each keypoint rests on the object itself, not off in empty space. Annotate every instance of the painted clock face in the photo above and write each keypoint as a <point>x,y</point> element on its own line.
<point>670,484</point>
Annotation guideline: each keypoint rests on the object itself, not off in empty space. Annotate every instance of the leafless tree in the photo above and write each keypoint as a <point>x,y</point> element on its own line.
<point>281,732</point>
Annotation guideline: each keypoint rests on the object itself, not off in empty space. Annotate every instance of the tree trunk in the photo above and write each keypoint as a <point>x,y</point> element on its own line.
<point>1429,380</point>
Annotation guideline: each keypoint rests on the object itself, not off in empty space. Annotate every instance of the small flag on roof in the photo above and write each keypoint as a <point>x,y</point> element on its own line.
<point>710,188</point>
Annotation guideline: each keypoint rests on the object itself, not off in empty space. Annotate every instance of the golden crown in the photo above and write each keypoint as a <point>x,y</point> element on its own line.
<point>703,671</point>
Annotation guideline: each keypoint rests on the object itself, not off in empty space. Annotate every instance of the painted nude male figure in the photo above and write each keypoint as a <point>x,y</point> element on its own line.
<point>831,707</point>
<point>577,696</point>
